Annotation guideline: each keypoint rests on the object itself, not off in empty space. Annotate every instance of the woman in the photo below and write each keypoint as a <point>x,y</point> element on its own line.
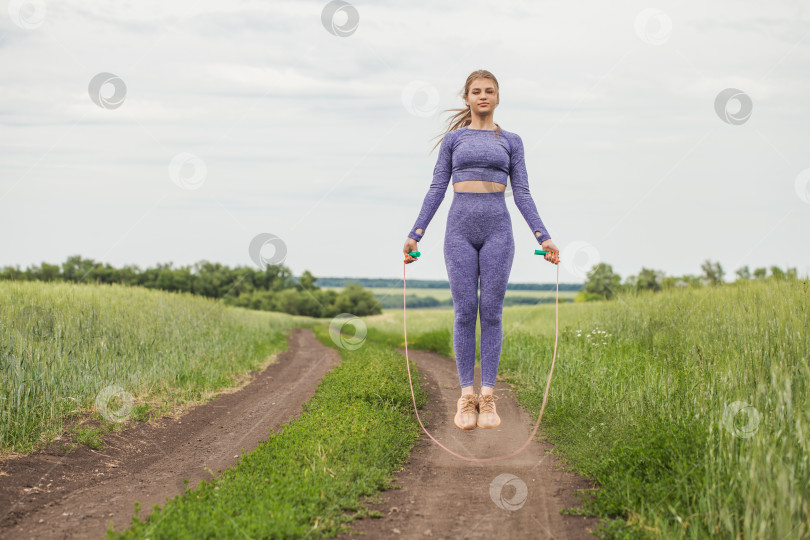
<point>478,240</point>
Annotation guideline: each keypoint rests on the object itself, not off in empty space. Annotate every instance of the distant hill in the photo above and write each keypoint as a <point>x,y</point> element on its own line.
<point>435,284</point>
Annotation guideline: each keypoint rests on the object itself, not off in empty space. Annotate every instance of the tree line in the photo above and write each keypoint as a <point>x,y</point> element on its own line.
<point>603,283</point>
<point>272,289</point>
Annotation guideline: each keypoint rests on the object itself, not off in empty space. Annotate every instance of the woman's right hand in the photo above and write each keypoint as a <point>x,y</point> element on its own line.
<point>553,254</point>
<point>410,245</point>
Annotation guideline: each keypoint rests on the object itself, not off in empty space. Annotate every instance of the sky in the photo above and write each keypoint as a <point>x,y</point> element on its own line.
<point>657,135</point>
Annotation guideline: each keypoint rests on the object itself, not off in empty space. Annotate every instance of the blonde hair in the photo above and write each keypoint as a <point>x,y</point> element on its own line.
<point>464,115</point>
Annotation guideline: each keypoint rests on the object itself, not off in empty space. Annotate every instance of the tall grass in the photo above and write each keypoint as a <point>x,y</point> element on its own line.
<point>62,344</point>
<point>690,408</point>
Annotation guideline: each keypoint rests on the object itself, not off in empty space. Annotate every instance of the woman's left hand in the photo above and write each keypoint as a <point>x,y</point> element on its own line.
<point>553,254</point>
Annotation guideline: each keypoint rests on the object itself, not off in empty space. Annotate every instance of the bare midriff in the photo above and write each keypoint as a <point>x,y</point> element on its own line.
<point>478,186</point>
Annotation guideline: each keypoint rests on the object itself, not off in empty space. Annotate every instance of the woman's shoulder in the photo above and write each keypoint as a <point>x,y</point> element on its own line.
<point>453,133</point>
<point>513,140</point>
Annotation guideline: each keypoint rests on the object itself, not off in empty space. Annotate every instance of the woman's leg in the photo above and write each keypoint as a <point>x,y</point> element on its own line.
<point>461,259</point>
<point>496,256</point>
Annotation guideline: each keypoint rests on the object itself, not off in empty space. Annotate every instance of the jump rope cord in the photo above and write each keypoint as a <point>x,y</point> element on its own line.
<point>548,383</point>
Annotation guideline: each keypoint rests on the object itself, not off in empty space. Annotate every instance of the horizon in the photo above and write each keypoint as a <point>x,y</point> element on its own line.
<point>726,273</point>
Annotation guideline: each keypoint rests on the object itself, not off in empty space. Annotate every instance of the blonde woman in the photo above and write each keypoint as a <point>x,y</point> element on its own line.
<point>478,242</point>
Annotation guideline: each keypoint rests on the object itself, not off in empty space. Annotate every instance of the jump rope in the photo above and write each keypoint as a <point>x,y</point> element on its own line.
<point>556,260</point>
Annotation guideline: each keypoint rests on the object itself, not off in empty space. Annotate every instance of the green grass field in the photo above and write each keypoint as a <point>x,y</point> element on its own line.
<point>64,346</point>
<point>690,408</point>
<point>444,294</point>
<point>700,398</point>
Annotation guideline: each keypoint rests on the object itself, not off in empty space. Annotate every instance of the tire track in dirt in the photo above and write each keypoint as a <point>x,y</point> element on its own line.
<point>48,494</point>
<point>442,496</point>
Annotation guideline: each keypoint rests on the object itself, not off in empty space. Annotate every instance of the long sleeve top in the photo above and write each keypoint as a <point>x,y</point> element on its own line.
<point>480,154</point>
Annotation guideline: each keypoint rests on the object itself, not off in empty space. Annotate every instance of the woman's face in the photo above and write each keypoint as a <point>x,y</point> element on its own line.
<point>483,96</point>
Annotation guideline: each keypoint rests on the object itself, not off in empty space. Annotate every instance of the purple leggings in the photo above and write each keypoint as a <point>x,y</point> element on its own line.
<point>478,242</point>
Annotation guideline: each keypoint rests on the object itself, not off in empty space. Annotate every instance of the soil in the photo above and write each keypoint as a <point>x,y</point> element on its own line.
<point>50,494</point>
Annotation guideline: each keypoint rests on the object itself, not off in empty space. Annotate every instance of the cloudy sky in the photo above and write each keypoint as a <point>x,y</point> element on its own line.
<point>656,136</point>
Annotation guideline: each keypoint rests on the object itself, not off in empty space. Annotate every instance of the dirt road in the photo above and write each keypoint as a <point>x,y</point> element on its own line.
<point>51,495</point>
<point>442,496</point>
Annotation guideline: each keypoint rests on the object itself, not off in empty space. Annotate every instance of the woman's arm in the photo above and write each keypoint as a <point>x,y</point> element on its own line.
<point>438,188</point>
<point>520,189</point>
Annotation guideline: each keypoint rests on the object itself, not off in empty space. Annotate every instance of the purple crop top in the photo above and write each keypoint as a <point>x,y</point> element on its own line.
<point>478,154</point>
